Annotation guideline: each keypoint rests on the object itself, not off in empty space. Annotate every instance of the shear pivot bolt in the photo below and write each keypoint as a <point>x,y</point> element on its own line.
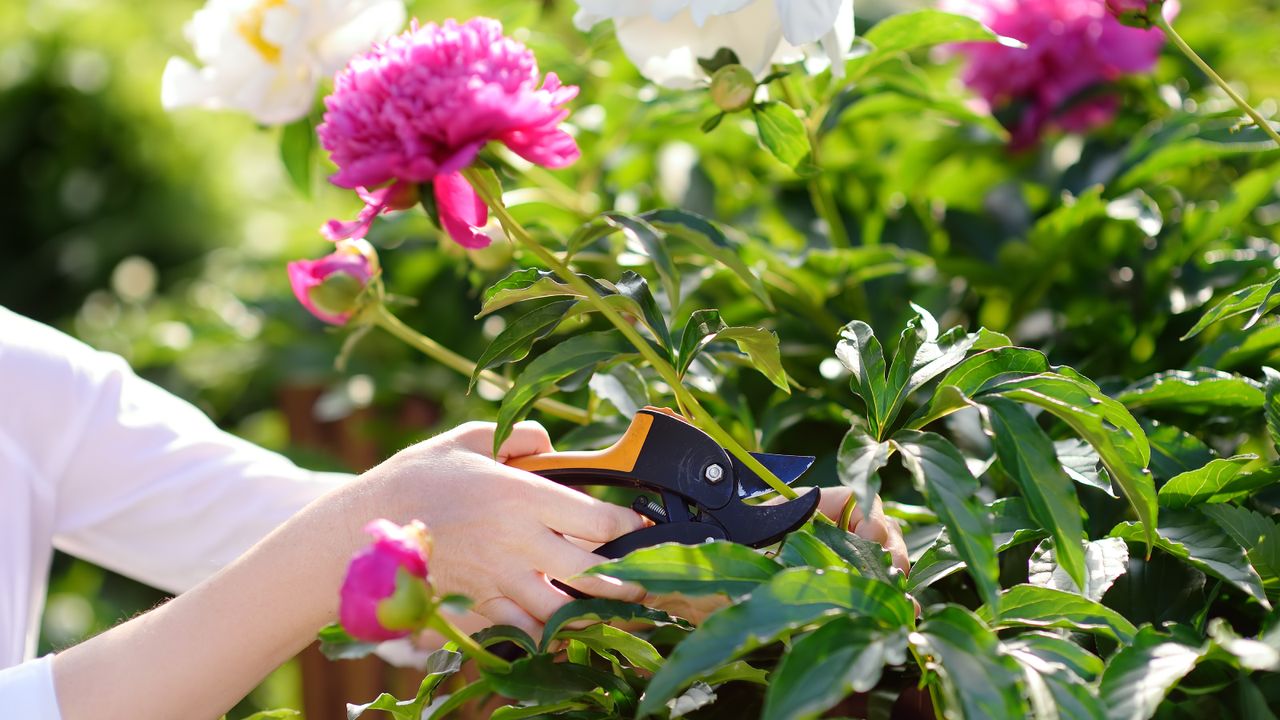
<point>714,473</point>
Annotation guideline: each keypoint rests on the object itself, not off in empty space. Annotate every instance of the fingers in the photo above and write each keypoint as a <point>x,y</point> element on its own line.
<point>504,611</point>
<point>527,438</point>
<point>570,512</point>
<point>874,526</point>
<point>535,594</point>
<point>564,561</point>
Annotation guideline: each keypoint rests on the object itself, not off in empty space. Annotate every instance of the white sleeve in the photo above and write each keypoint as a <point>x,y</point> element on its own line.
<point>27,690</point>
<point>146,484</point>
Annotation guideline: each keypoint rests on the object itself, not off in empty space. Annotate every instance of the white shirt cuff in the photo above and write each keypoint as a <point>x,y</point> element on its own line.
<point>26,690</point>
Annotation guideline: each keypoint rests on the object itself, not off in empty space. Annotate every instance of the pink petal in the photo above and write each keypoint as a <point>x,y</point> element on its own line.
<point>462,213</point>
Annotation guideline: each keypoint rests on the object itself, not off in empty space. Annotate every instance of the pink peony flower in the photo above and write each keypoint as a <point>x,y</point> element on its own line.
<point>331,287</point>
<point>1074,50</point>
<point>418,108</point>
<point>385,595</point>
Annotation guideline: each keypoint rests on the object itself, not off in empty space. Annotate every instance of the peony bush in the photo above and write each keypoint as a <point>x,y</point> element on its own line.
<point>1088,540</point>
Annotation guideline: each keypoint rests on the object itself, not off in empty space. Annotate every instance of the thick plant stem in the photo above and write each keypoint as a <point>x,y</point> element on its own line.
<point>698,415</point>
<point>1163,23</point>
<point>467,644</point>
<point>450,359</point>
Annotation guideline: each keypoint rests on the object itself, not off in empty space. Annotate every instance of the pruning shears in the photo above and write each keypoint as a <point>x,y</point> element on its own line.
<point>701,488</point>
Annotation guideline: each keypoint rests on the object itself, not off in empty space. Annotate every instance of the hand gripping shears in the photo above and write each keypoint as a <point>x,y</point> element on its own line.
<point>702,487</point>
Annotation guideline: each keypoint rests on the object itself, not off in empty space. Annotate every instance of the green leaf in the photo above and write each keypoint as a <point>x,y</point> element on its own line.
<point>976,374</point>
<point>792,599</point>
<point>1105,424</point>
<point>709,241</point>
<point>1028,455</point>
<point>1257,299</point>
<point>297,142</point>
<point>950,489</point>
<point>440,665</point>
<point>1105,560</point>
<point>648,239</point>
<point>1058,650</point>
<point>867,557</point>
<point>978,679</point>
<point>724,56</point>
<point>1198,392</point>
<point>603,610</point>
<point>495,634</point>
<point>802,549</point>
<point>1201,141</point>
<point>1272,384</point>
<point>915,30</point>
<point>782,133</point>
<point>1081,463</point>
<point>1034,606</point>
<point>858,463</point>
<point>1189,535</point>
<point>1257,534</point>
<point>623,386</point>
<point>843,656</point>
<point>516,339</point>
<point>608,640</point>
<point>706,569</point>
<point>1055,691</point>
<point>336,644</point>
<point>860,352</point>
<point>632,286</point>
<point>1013,526</point>
<point>556,364</point>
<point>699,695</point>
<point>1221,480</point>
<point>761,347</point>
<point>531,284</point>
<point>1139,676</point>
<point>541,680</point>
<point>1173,451</point>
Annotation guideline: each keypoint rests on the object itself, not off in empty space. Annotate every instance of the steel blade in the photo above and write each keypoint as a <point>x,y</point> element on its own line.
<point>788,468</point>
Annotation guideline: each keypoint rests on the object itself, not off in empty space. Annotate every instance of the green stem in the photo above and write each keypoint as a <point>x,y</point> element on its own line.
<point>846,513</point>
<point>1163,23</point>
<point>697,414</point>
<point>383,318</point>
<point>467,644</point>
<point>824,201</point>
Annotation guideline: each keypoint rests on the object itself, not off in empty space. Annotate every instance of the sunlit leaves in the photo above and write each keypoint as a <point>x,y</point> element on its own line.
<point>843,656</point>
<point>1189,535</point>
<point>1257,299</point>
<point>1031,605</point>
<point>1194,391</point>
<point>706,569</point>
<point>940,473</point>
<point>1139,676</point>
<point>1219,481</point>
<point>782,133</point>
<point>556,364</point>
<point>1105,560</point>
<point>978,679</point>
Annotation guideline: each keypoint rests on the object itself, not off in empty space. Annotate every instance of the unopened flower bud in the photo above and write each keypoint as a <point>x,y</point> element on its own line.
<point>733,88</point>
<point>333,287</point>
<point>385,594</point>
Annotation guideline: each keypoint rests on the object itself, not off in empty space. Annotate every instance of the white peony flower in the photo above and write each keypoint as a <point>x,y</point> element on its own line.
<point>665,38</point>
<point>265,57</point>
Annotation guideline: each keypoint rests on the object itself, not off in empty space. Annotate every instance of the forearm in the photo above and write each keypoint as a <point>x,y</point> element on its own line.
<point>199,654</point>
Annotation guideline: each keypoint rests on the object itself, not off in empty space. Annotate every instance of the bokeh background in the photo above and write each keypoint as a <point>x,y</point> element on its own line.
<point>163,236</point>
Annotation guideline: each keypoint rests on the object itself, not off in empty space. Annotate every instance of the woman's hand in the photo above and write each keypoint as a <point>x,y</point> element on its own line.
<point>498,533</point>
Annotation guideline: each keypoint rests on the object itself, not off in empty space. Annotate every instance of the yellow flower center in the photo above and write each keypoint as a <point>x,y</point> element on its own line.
<point>249,25</point>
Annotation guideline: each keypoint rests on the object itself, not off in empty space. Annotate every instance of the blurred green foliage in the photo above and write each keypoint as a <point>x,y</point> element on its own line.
<point>163,236</point>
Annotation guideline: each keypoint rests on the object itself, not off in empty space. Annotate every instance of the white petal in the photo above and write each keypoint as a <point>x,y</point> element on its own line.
<point>375,22</point>
<point>667,52</point>
<point>703,9</point>
<point>804,21</point>
<point>182,85</point>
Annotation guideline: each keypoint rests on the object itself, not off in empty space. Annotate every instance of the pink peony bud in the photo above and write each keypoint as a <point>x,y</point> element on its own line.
<point>385,594</point>
<point>332,287</point>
